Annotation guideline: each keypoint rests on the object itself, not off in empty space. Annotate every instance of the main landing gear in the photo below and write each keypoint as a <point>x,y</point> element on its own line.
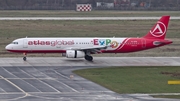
<point>24,58</point>
<point>88,57</point>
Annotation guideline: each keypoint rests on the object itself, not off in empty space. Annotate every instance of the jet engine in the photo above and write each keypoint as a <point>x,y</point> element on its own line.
<point>74,54</point>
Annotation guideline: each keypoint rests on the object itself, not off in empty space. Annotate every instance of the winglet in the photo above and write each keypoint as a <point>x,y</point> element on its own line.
<point>159,30</point>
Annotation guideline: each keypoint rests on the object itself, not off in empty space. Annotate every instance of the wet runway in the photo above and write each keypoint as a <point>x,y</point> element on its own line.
<point>51,79</point>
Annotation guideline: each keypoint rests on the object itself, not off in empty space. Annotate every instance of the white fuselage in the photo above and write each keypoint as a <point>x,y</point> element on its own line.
<point>60,44</point>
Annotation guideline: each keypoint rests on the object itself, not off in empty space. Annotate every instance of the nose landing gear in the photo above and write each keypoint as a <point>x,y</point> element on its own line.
<point>24,58</point>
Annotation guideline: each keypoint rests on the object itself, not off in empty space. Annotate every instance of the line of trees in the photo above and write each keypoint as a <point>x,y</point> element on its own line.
<point>70,4</point>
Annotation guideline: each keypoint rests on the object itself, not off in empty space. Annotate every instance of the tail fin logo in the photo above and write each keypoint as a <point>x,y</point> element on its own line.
<point>159,30</point>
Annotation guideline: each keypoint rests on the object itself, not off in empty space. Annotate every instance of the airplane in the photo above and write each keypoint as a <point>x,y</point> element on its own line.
<point>83,47</point>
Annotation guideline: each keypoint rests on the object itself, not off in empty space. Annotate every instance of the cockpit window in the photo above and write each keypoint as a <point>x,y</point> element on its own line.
<point>14,43</point>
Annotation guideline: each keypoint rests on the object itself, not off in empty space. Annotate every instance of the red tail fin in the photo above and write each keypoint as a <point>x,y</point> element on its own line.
<point>158,31</point>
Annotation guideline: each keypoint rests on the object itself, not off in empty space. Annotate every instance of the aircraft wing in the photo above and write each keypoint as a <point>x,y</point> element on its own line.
<point>94,49</point>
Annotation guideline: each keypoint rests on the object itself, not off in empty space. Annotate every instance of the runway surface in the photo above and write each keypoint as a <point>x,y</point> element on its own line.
<point>83,18</point>
<point>51,79</point>
<point>98,61</point>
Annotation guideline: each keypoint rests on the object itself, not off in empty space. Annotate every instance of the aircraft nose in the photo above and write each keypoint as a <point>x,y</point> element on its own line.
<point>8,47</point>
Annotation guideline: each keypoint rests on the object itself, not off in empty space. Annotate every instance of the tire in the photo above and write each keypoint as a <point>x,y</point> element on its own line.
<point>88,58</point>
<point>24,58</point>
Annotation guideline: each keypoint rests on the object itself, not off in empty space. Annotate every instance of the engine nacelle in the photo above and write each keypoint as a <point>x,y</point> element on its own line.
<point>74,54</point>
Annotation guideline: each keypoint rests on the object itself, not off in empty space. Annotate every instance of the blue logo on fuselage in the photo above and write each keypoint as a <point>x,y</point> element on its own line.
<point>102,41</point>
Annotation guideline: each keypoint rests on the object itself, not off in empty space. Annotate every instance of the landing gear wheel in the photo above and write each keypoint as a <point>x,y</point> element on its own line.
<point>25,54</point>
<point>24,58</point>
<point>88,58</point>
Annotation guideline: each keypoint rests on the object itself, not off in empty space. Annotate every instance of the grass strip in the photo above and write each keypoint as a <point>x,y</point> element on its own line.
<point>73,13</point>
<point>145,79</point>
<point>167,96</point>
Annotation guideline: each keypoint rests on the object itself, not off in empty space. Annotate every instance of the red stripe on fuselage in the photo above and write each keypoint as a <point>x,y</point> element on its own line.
<point>122,44</point>
<point>129,45</point>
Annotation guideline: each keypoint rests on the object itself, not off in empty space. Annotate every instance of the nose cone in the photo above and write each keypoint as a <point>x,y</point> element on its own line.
<point>8,47</point>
